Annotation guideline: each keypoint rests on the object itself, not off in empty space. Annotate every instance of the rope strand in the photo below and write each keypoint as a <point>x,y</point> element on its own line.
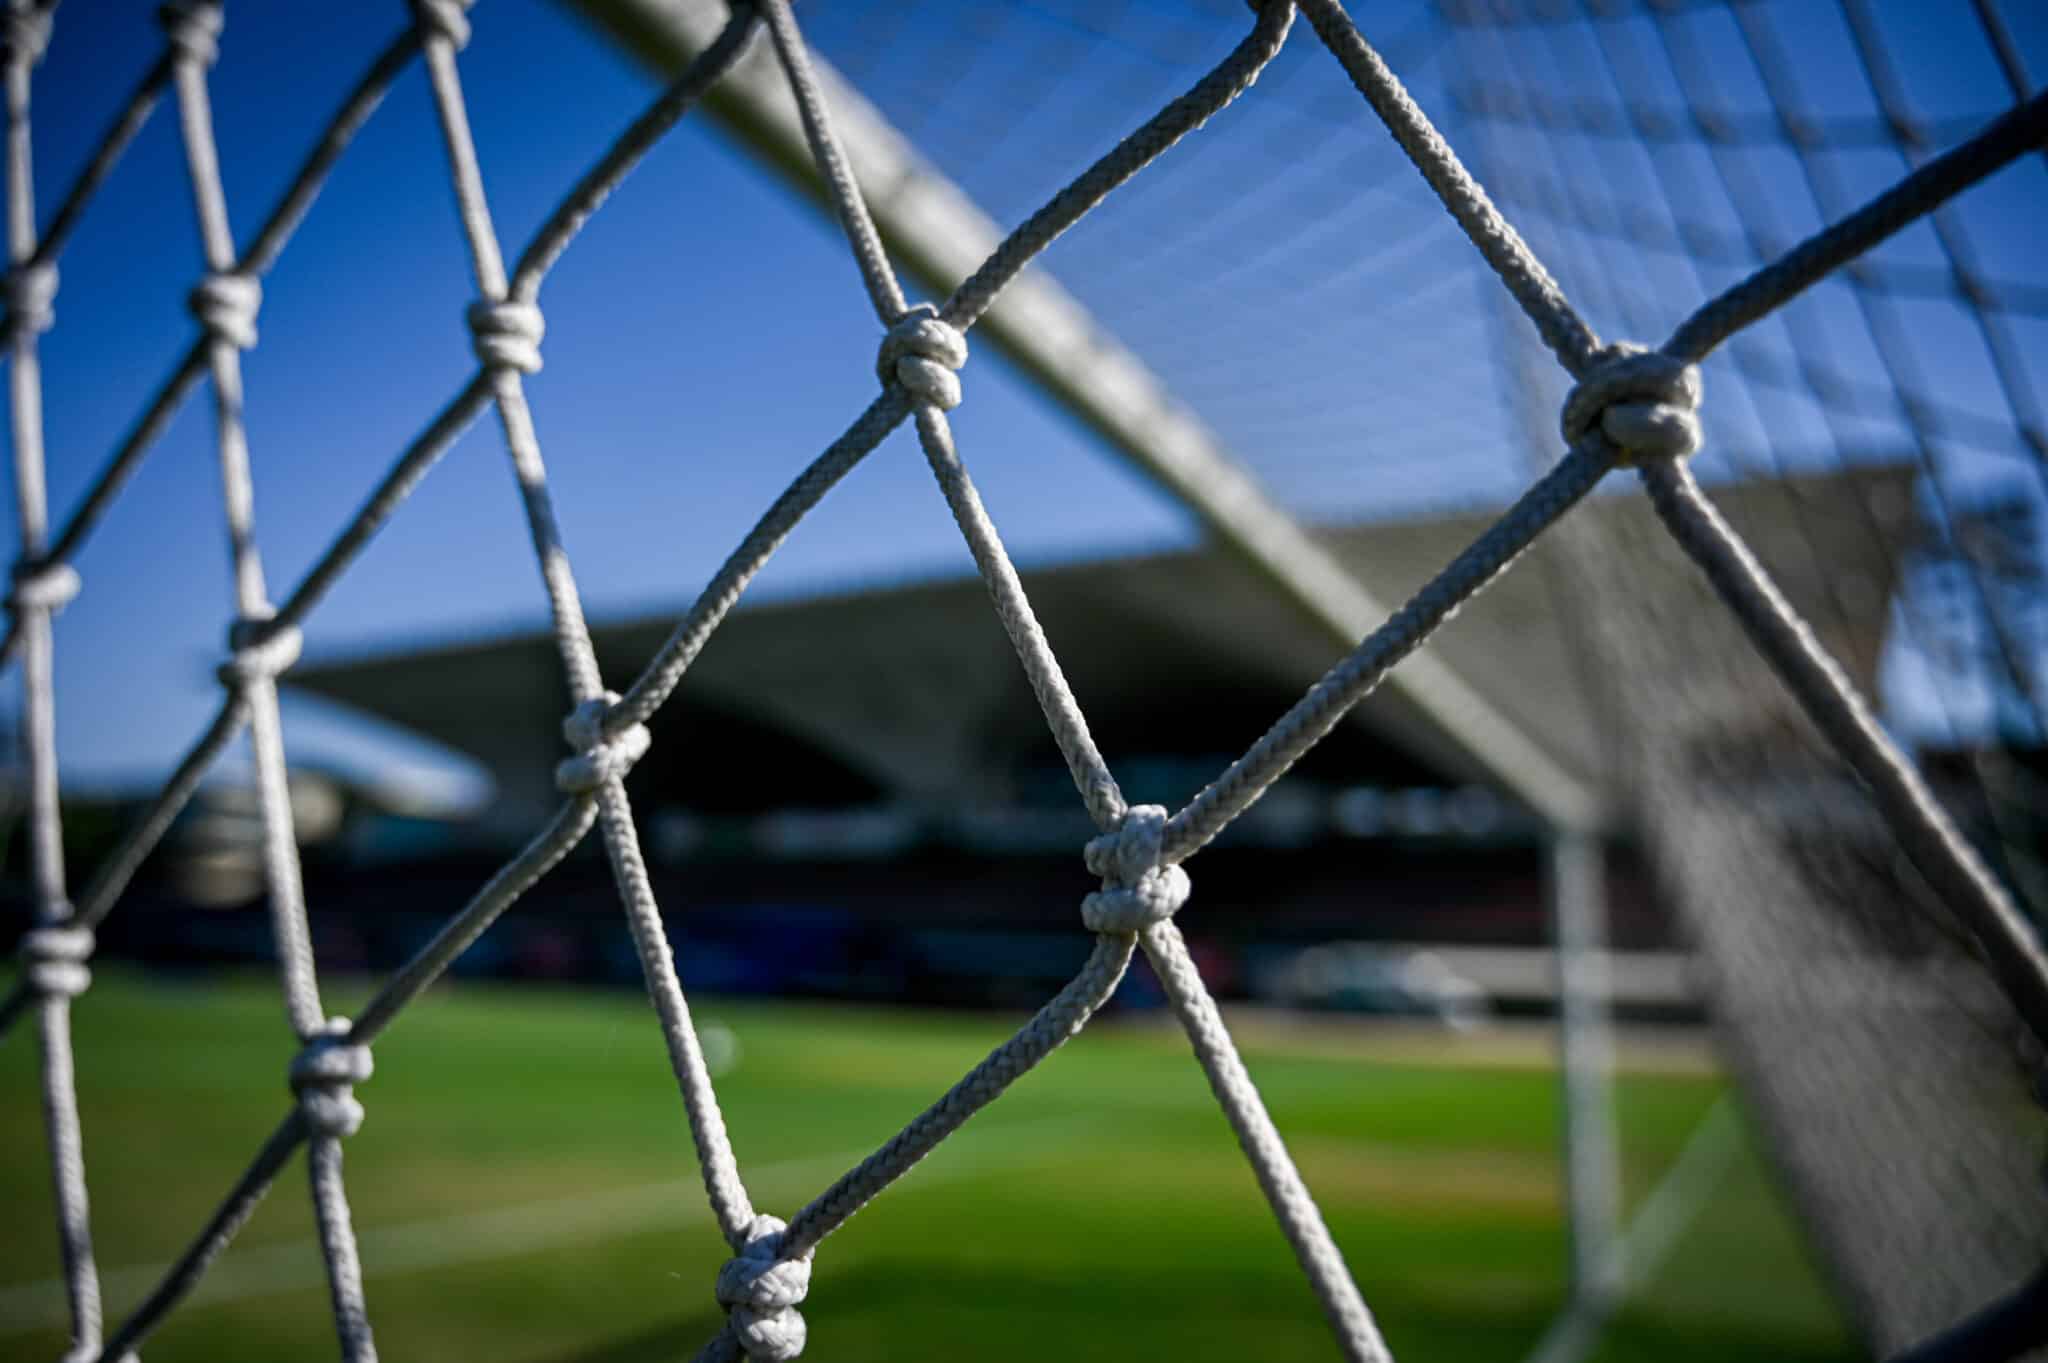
<point>1630,405</point>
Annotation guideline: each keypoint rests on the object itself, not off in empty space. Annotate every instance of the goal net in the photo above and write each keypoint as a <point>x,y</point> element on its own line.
<point>1883,987</point>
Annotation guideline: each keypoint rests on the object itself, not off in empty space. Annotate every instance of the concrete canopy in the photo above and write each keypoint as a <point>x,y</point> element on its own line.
<point>910,693</point>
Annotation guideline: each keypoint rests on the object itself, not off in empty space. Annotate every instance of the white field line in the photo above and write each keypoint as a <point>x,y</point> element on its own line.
<point>1638,1253</point>
<point>1684,1191</point>
<point>504,1232</point>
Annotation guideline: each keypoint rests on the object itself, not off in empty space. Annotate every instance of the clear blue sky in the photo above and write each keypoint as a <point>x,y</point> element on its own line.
<point>707,335</point>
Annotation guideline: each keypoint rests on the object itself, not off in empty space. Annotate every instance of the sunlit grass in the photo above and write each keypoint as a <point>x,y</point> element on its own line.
<point>526,1190</point>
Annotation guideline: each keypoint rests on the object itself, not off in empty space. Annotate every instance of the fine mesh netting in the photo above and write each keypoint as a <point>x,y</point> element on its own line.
<point>1810,856</point>
<point>1892,1077</point>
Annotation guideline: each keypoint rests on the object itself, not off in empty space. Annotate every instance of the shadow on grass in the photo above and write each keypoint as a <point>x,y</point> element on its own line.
<point>681,1338</point>
<point>892,1308</point>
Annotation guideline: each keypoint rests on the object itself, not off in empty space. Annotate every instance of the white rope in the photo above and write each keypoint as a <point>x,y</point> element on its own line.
<point>600,758</point>
<point>761,1288</point>
<point>1643,403</point>
<point>1630,405</point>
<point>507,341</point>
<point>56,950</point>
<point>54,961</point>
<point>1137,891</point>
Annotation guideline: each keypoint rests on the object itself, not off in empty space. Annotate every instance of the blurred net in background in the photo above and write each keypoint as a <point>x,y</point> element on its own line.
<point>1881,442</point>
<point>1891,410</point>
<point>1658,154</point>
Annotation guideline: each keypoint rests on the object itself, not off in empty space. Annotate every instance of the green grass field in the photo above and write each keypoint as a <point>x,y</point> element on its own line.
<point>525,1189</point>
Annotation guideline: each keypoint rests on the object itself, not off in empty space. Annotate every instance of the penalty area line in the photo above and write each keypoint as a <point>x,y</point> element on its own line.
<point>507,1232</point>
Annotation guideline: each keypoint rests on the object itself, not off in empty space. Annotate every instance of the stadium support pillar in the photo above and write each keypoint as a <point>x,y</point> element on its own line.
<point>1578,924</point>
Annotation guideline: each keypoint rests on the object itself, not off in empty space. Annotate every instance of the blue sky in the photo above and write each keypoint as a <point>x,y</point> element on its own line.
<point>707,335</point>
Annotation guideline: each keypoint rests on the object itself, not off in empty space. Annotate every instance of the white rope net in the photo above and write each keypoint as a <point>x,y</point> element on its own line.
<point>1630,407</point>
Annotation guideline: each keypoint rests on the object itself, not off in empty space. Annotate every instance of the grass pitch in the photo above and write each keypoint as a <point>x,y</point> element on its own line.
<point>525,1189</point>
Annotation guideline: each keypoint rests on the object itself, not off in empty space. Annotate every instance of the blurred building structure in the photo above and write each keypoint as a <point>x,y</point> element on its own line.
<point>909,697</point>
<point>855,794</point>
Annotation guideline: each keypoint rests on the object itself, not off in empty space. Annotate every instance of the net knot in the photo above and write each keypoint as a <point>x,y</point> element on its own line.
<point>226,305</point>
<point>448,18</point>
<point>1644,403</point>
<point>25,33</point>
<point>600,757</point>
<point>42,585</point>
<point>1136,890</point>
<point>922,353</point>
<point>53,961</point>
<point>30,293</point>
<point>194,29</point>
<point>760,1290</point>
<point>507,334</point>
<point>324,1074</point>
<point>261,650</point>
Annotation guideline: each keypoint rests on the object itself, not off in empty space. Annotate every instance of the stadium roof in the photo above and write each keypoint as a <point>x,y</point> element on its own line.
<point>911,692</point>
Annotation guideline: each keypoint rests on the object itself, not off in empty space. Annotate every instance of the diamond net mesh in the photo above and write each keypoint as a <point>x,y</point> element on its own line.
<point>1805,920</point>
<point>1890,1073</point>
